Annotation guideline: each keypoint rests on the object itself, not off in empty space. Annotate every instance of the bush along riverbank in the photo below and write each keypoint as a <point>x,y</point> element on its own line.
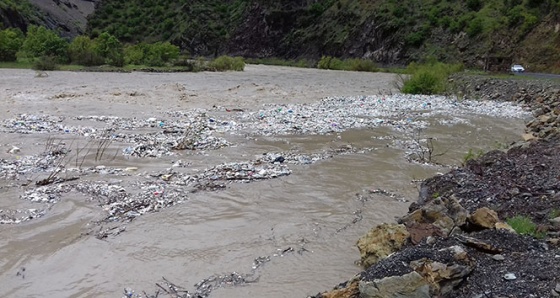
<point>488,229</point>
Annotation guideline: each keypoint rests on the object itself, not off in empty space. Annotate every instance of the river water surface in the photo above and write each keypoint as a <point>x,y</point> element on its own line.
<point>305,225</point>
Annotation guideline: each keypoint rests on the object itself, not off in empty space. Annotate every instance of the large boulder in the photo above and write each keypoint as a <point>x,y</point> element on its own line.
<point>411,285</point>
<point>441,277</point>
<point>380,242</point>
<point>351,290</point>
<point>446,214</point>
<point>485,218</point>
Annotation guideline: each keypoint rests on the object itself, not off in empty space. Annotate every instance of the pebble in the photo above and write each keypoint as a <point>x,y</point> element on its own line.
<point>14,150</point>
<point>498,257</point>
<point>510,276</point>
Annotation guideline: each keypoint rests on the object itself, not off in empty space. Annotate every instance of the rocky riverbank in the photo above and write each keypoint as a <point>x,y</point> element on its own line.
<point>541,95</point>
<point>455,241</point>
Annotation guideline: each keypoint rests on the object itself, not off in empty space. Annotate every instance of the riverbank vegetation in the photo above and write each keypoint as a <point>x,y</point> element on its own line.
<point>428,78</point>
<point>353,64</point>
<point>44,49</point>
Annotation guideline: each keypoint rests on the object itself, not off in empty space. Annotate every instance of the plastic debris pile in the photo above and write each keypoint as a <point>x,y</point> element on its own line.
<point>19,215</point>
<point>43,197</point>
<point>124,206</point>
<point>25,124</point>
<point>336,114</point>
<point>192,131</point>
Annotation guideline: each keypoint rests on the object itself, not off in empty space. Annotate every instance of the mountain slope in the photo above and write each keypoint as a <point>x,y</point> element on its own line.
<point>485,34</point>
<point>489,34</point>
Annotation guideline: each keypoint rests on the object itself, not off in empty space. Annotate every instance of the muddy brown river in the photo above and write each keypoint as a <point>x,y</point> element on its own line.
<point>289,236</point>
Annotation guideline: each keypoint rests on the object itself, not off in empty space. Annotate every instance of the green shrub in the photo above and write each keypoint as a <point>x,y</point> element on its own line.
<point>159,53</point>
<point>361,65</point>
<point>329,62</point>
<point>353,64</point>
<point>415,38</point>
<point>476,26</point>
<point>445,21</point>
<point>45,63</point>
<point>515,15</point>
<point>529,22</point>
<point>134,54</point>
<point>424,82</point>
<point>11,41</point>
<point>524,225</point>
<point>82,51</point>
<point>471,154</point>
<point>110,48</point>
<point>225,63</point>
<point>428,78</point>
<point>43,42</point>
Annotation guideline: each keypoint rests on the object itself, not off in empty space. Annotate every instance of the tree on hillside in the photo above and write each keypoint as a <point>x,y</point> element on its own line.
<point>11,41</point>
<point>82,51</point>
<point>110,48</point>
<point>43,42</point>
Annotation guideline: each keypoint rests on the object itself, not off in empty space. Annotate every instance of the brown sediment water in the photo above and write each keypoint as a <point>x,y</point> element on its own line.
<point>306,223</point>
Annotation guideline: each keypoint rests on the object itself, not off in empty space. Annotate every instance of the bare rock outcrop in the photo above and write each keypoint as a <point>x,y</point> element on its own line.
<point>380,242</point>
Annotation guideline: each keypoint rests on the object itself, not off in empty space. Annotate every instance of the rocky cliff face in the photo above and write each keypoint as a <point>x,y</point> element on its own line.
<point>398,35</point>
<point>301,31</point>
<point>68,17</point>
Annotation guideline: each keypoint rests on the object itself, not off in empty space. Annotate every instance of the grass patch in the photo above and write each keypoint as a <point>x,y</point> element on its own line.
<point>472,154</point>
<point>524,225</point>
<point>71,67</point>
<point>554,213</point>
<point>17,65</point>
<point>430,78</point>
<point>302,63</point>
<point>354,64</point>
<point>46,63</point>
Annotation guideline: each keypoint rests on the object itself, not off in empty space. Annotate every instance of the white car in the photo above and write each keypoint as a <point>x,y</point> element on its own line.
<point>517,68</point>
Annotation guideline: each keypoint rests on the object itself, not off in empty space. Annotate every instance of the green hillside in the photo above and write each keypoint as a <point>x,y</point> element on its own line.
<point>483,34</point>
<point>478,33</point>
